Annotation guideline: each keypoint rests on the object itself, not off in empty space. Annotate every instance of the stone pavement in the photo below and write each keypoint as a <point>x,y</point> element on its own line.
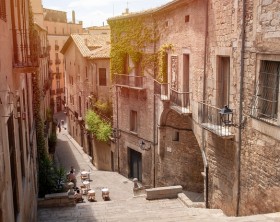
<point>123,206</point>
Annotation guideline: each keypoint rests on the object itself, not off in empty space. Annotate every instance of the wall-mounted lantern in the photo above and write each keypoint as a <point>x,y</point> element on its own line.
<point>226,116</point>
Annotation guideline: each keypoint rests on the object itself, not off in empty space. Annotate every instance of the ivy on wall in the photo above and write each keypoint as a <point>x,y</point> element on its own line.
<point>163,63</point>
<point>130,37</point>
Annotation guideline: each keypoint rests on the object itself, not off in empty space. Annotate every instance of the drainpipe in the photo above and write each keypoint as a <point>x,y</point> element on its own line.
<point>204,98</point>
<point>117,140</point>
<point>243,35</point>
<point>154,122</point>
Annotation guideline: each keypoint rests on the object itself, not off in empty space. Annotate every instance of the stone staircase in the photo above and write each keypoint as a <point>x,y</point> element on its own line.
<point>134,209</point>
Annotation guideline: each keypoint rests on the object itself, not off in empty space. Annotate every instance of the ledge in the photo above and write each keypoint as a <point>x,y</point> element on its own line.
<point>163,192</point>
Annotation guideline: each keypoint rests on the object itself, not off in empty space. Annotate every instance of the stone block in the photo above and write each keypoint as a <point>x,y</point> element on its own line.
<point>163,192</point>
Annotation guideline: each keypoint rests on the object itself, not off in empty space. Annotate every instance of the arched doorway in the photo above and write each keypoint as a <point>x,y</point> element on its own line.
<point>180,160</point>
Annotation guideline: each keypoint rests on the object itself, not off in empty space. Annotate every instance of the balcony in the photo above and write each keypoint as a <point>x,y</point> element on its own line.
<point>161,90</point>
<point>129,81</point>
<point>57,61</point>
<point>25,49</point>
<point>180,101</point>
<point>211,119</point>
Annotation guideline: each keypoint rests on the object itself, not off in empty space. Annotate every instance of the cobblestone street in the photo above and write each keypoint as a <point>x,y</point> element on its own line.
<point>123,206</point>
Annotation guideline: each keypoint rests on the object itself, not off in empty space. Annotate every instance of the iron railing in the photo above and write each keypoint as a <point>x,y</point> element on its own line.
<point>161,90</point>
<point>130,81</point>
<point>26,47</point>
<point>180,100</point>
<point>211,120</point>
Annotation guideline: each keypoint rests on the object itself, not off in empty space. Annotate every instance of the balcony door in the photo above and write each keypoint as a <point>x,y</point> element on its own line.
<point>223,81</point>
<point>186,71</point>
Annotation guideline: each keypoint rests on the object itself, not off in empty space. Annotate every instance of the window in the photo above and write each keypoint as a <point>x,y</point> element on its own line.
<point>57,69</point>
<point>267,92</point>
<point>187,18</point>
<point>102,77</point>
<point>3,14</point>
<point>223,81</point>
<point>133,121</point>
<point>175,136</point>
<point>57,84</point>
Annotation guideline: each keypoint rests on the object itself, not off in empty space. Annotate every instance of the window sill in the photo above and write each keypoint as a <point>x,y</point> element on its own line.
<point>266,128</point>
<point>134,133</point>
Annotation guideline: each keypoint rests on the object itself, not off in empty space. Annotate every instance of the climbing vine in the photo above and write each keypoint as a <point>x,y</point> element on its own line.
<point>162,63</point>
<point>134,37</point>
<point>130,38</point>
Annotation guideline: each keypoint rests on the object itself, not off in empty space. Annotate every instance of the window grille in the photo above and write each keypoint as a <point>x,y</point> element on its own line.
<point>265,105</point>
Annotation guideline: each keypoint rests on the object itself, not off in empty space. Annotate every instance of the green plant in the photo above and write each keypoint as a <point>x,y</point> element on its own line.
<point>162,63</point>
<point>105,108</point>
<point>130,37</point>
<point>101,129</point>
<point>52,142</point>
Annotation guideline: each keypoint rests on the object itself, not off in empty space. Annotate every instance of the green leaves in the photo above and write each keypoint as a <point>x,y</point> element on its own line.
<point>101,129</point>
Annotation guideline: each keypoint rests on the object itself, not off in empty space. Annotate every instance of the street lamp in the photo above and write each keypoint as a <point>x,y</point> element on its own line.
<point>144,146</point>
<point>226,116</point>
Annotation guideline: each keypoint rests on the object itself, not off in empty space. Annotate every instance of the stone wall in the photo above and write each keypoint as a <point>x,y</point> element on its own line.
<point>179,161</point>
<point>260,180</point>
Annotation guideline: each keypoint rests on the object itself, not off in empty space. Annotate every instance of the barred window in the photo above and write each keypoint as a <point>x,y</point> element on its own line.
<point>267,92</point>
<point>3,14</point>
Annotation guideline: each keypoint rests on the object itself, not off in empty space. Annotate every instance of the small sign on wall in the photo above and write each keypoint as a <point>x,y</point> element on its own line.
<point>169,149</point>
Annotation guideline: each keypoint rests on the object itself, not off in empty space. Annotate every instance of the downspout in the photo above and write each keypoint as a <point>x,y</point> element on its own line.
<point>155,128</point>
<point>243,35</point>
<point>205,163</point>
<point>118,147</point>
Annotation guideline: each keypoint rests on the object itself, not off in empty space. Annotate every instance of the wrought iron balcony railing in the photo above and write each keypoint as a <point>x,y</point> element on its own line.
<point>180,101</point>
<point>130,81</point>
<point>161,90</point>
<point>26,47</point>
<point>211,119</point>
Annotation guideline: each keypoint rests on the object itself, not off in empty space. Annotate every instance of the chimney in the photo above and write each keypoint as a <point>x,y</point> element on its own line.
<point>73,17</point>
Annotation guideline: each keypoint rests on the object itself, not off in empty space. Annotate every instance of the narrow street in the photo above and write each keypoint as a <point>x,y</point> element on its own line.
<point>123,206</point>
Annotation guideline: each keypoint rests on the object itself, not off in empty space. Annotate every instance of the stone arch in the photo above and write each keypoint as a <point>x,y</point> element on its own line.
<point>180,160</point>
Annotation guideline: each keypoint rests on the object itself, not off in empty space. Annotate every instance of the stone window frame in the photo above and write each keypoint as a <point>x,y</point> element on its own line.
<point>102,76</point>
<point>222,52</point>
<point>176,136</point>
<point>259,59</point>
<point>133,121</point>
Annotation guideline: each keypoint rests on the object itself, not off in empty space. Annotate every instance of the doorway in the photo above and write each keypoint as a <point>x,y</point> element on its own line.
<point>135,164</point>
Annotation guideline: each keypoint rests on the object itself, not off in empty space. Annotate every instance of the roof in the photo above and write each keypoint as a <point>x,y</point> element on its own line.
<point>90,46</point>
<point>167,6</point>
